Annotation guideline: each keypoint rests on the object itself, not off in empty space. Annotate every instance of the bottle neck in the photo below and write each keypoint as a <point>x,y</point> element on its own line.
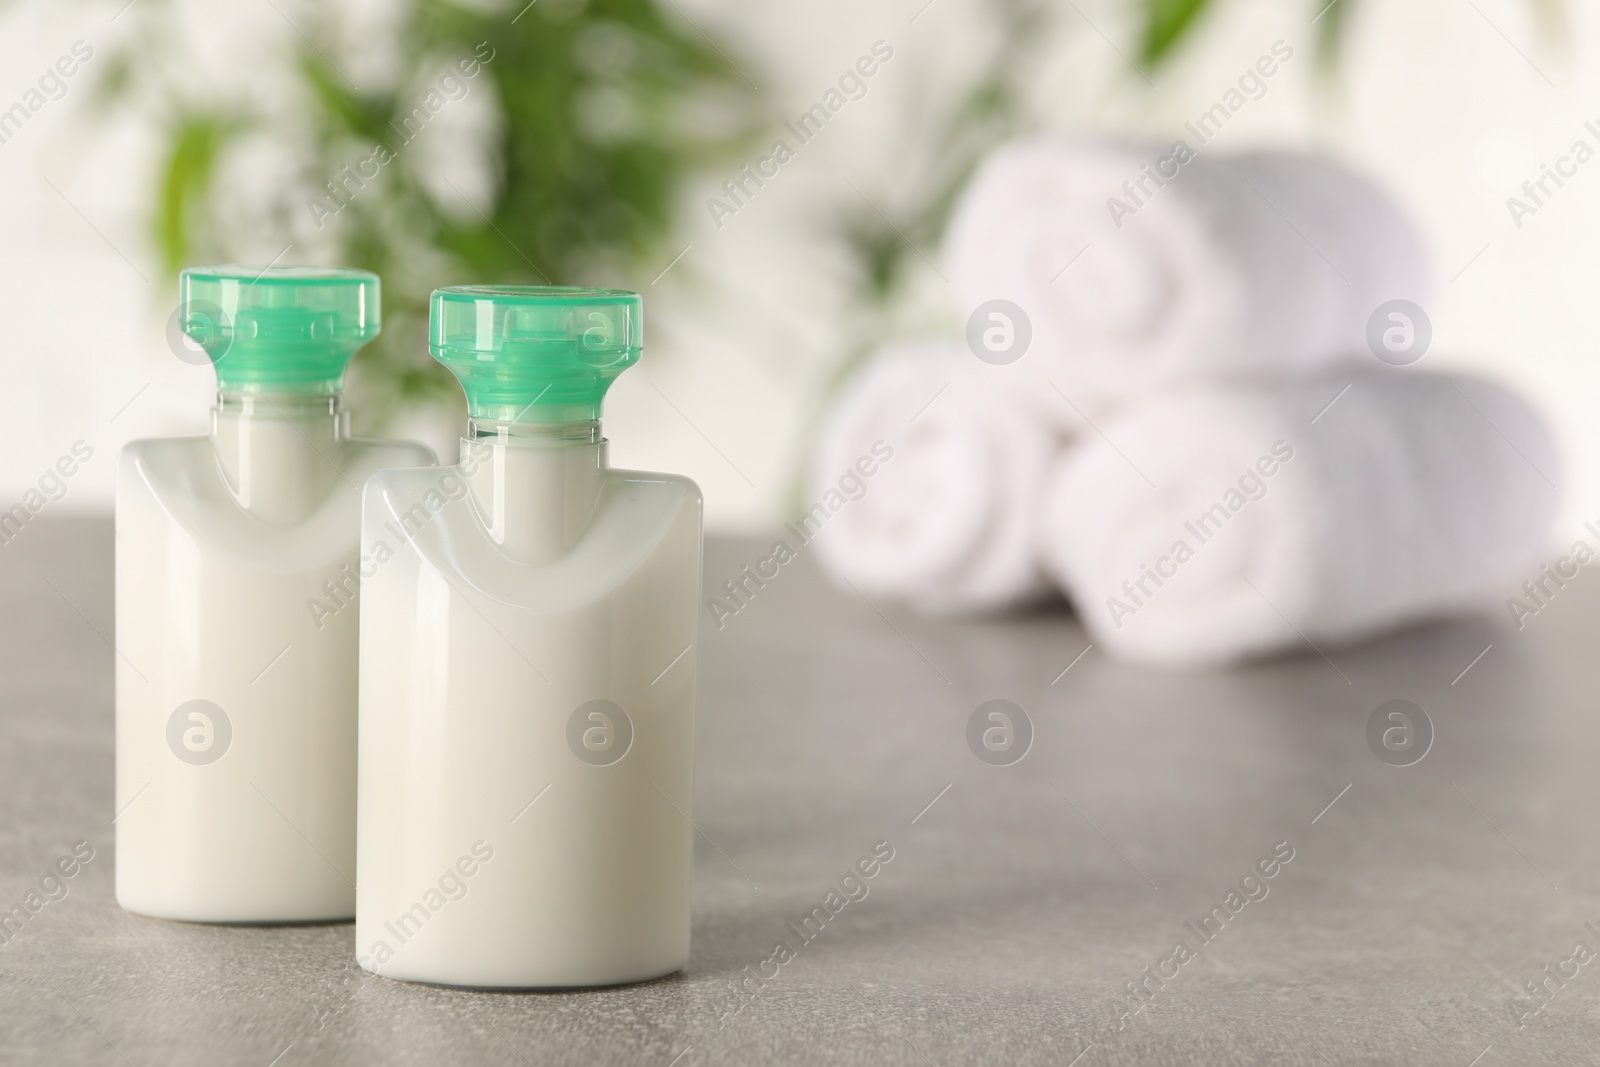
<point>278,454</point>
<point>534,485</point>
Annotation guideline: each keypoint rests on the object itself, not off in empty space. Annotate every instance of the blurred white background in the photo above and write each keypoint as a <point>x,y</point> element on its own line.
<point>1452,103</point>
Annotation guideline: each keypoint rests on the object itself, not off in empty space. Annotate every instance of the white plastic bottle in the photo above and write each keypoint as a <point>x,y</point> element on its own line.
<point>236,619</point>
<point>527,671</point>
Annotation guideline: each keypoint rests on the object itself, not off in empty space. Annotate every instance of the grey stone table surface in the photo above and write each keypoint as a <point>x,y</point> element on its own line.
<point>1031,913</point>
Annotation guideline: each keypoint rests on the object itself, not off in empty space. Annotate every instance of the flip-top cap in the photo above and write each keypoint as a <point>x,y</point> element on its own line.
<point>527,353</point>
<point>282,329</point>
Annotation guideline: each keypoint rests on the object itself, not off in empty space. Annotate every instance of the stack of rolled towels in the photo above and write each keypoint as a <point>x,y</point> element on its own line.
<point>1199,443</point>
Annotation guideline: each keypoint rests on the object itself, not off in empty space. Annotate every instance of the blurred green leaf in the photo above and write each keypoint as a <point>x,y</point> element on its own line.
<point>1166,25</point>
<point>185,182</point>
<point>1330,22</point>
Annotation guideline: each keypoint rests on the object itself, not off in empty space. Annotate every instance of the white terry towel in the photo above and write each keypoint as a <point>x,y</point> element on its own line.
<point>947,522</point>
<point>1267,262</point>
<point>1267,520</point>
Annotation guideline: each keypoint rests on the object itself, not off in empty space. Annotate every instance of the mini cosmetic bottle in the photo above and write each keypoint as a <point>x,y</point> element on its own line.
<point>528,652</point>
<point>236,612</point>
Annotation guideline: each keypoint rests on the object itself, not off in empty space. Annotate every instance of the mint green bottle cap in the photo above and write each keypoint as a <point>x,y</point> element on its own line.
<point>282,329</point>
<point>529,353</point>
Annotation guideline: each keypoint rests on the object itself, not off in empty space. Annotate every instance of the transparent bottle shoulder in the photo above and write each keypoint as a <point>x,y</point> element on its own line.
<point>356,457</point>
<point>644,502</point>
<point>417,477</point>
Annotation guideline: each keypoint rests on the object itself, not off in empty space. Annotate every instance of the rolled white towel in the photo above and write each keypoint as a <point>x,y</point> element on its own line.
<point>946,522</point>
<point>1221,522</point>
<point>1266,262</point>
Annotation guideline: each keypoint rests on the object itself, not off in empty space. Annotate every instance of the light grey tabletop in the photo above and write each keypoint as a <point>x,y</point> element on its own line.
<point>1021,901</point>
